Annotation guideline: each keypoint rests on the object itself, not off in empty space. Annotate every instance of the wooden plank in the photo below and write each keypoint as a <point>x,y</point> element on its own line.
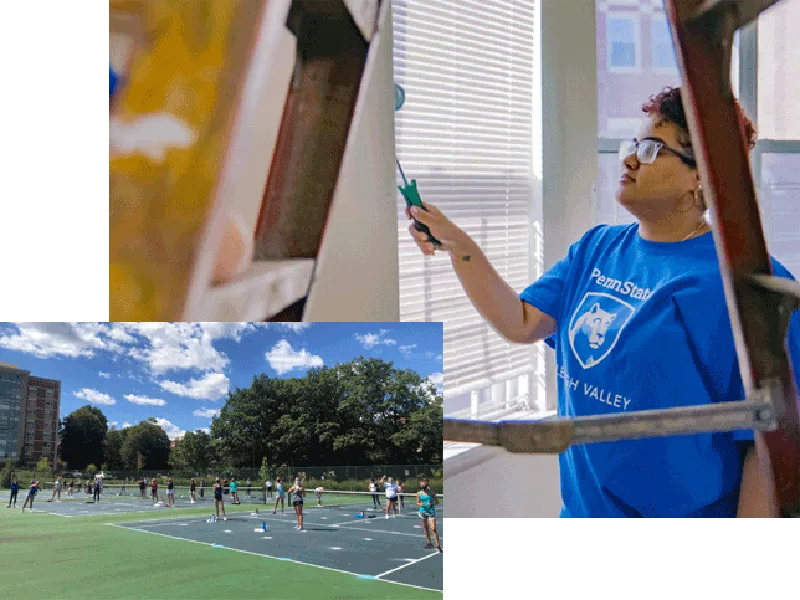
<point>703,47</point>
<point>169,130</point>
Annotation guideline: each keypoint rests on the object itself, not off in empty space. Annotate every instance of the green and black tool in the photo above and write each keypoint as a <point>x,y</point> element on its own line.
<point>411,194</point>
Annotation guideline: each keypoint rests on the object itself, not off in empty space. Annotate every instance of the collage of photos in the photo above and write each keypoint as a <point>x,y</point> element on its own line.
<point>537,256</point>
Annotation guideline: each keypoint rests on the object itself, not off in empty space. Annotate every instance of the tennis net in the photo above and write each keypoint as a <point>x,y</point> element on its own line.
<point>251,495</point>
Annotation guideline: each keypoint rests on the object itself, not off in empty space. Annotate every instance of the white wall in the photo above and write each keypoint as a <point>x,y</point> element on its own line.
<point>357,274</point>
<point>490,482</point>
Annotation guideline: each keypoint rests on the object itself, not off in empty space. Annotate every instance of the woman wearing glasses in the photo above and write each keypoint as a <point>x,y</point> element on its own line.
<point>637,317</point>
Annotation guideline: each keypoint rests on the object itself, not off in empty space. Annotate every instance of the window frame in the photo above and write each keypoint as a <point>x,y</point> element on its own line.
<point>635,18</point>
<point>660,18</point>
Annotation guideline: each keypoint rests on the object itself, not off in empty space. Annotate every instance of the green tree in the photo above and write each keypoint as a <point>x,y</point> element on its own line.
<point>112,448</point>
<point>362,412</point>
<point>5,474</point>
<point>90,471</point>
<point>149,440</point>
<point>195,452</point>
<point>82,435</point>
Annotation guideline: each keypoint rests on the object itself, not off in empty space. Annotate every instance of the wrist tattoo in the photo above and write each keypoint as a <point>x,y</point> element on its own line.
<point>466,258</point>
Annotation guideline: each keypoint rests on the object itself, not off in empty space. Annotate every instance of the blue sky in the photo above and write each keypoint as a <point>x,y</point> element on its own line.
<point>180,373</point>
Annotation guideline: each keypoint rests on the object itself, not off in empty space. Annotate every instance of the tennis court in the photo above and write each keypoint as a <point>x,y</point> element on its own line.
<point>368,550</point>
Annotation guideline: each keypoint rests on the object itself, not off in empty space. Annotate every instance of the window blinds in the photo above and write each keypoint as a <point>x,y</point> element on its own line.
<point>465,134</point>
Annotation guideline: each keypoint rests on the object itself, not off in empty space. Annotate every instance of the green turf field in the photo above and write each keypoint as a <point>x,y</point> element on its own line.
<point>82,557</point>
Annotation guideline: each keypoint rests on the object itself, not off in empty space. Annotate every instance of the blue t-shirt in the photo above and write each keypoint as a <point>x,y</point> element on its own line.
<point>14,486</point>
<point>644,325</point>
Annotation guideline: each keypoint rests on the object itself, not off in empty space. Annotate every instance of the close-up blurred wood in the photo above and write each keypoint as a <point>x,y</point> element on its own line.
<point>213,94</point>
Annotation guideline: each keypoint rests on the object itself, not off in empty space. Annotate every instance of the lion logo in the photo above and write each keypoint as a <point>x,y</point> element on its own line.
<point>595,327</point>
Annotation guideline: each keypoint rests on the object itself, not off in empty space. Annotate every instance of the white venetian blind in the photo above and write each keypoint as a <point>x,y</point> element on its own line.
<point>465,134</point>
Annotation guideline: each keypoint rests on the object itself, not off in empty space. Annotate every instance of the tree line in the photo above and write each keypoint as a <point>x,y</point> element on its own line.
<point>364,412</point>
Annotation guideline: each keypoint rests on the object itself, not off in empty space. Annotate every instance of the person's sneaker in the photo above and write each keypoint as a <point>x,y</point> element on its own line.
<point>224,518</point>
<point>428,546</point>
<point>387,516</point>
<point>440,550</point>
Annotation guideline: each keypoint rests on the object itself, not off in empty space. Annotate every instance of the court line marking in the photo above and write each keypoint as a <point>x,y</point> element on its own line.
<point>284,520</point>
<point>412,562</point>
<point>174,537</point>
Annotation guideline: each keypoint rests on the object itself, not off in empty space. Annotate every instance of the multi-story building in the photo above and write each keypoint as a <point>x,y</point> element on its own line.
<point>13,388</point>
<point>29,410</point>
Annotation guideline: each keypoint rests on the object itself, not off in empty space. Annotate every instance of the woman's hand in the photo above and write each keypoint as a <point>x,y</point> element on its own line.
<point>442,228</point>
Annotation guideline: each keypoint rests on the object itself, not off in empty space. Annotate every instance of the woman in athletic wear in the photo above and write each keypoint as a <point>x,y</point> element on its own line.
<point>629,300</point>
<point>297,492</point>
<point>278,495</point>
<point>391,495</point>
<point>218,500</point>
<point>191,491</point>
<point>142,486</point>
<point>318,491</point>
<point>154,490</point>
<point>98,489</point>
<point>426,501</point>
<point>14,491</point>
<point>70,488</point>
<point>31,495</point>
<point>373,487</point>
<point>203,487</point>
<point>234,493</point>
<point>56,490</point>
<point>170,492</point>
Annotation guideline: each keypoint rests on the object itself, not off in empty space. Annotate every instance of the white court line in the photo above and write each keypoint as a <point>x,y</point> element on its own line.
<point>412,562</point>
<point>173,537</point>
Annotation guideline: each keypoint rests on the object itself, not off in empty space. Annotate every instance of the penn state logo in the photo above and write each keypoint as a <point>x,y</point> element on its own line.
<point>596,325</point>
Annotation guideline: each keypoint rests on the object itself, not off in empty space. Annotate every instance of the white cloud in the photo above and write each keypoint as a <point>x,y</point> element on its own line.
<point>439,357</point>
<point>173,431</point>
<point>144,400</point>
<point>114,424</point>
<point>296,327</point>
<point>125,424</point>
<point>58,339</point>
<point>104,375</point>
<point>209,387</point>
<point>178,346</point>
<point>94,397</point>
<point>163,347</point>
<point>283,358</point>
<point>206,412</point>
<point>436,379</point>
<point>374,339</point>
<point>206,429</point>
<point>406,350</point>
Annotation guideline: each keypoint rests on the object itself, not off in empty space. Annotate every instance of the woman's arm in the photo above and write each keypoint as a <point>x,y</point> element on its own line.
<point>754,496</point>
<point>491,296</point>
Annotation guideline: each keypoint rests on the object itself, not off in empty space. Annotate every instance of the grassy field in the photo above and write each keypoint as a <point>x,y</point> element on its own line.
<point>84,557</point>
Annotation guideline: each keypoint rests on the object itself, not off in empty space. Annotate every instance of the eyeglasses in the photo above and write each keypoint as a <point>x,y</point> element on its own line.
<point>647,151</point>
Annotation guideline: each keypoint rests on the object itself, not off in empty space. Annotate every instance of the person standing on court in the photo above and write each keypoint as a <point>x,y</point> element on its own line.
<point>31,495</point>
<point>278,495</point>
<point>426,501</point>
<point>202,487</point>
<point>391,495</point>
<point>14,491</point>
<point>373,488</point>
<point>296,492</point>
<point>638,320</point>
<point>219,501</point>
<point>191,491</point>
